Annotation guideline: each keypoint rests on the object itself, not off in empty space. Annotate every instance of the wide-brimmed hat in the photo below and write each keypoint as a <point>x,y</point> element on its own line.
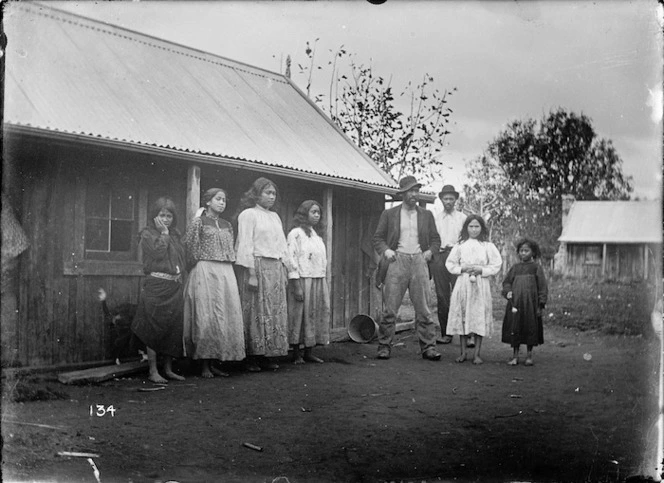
<point>448,189</point>
<point>407,183</point>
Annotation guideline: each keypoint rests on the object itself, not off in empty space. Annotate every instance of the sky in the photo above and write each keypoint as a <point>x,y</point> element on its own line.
<point>508,60</point>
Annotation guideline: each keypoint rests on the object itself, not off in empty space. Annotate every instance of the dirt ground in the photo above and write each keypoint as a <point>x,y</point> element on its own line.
<point>359,419</point>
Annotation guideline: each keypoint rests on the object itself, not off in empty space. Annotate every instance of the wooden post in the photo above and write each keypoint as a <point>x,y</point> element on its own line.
<point>327,208</point>
<point>645,261</point>
<point>193,192</point>
<point>603,260</point>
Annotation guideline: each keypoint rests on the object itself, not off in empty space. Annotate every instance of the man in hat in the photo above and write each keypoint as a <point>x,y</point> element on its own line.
<point>407,238</point>
<point>449,222</point>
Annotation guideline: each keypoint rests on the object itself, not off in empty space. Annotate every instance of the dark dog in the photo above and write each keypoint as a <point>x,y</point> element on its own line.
<point>123,342</point>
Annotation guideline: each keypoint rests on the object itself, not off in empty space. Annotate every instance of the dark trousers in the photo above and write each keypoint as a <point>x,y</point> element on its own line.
<point>444,282</point>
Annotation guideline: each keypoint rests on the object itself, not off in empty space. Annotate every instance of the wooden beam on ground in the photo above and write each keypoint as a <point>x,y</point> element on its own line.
<point>99,374</point>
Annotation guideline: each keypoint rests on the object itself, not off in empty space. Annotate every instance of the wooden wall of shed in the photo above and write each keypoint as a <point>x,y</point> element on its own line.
<point>59,316</point>
<point>624,262</point>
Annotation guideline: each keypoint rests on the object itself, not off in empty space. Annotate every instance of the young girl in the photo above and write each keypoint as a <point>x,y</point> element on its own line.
<point>308,295</point>
<point>213,328</point>
<point>526,291</point>
<point>262,255</point>
<point>158,321</point>
<point>474,259</point>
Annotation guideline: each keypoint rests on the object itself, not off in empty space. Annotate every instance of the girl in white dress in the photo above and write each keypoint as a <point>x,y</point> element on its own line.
<point>308,294</point>
<point>473,259</point>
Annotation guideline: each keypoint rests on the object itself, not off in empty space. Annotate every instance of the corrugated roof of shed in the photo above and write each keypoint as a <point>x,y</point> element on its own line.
<point>613,222</point>
<point>70,74</point>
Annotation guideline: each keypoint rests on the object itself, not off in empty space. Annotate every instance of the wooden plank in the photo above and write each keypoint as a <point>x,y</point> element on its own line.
<point>193,200</point>
<point>328,199</point>
<point>99,374</point>
<point>603,260</point>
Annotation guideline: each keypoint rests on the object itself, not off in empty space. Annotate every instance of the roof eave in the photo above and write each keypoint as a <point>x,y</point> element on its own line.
<point>17,129</point>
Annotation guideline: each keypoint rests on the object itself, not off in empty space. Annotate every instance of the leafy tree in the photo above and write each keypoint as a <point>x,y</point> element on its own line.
<point>365,106</point>
<point>525,170</point>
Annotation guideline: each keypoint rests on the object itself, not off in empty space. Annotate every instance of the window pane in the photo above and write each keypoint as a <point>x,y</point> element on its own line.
<point>122,204</point>
<point>96,234</point>
<point>97,199</point>
<point>121,234</point>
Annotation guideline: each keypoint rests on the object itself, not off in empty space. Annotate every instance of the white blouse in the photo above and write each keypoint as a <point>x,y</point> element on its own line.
<point>307,254</point>
<point>260,233</point>
<point>474,252</point>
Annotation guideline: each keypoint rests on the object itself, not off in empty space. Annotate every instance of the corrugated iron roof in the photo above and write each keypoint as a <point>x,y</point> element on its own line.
<point>70,74</point>
<point>613,222</point>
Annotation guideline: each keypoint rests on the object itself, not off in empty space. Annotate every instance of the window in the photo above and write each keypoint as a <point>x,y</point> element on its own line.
<point>111,221</point>
<point>593,255</point>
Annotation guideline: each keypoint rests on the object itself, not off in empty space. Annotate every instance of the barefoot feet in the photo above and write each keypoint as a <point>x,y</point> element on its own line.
<point>461,358</point>
<point>173,376</point>
<point>513,362</point>
<point>477,360</point>
<point>156,377</point>
<point>529,362</point>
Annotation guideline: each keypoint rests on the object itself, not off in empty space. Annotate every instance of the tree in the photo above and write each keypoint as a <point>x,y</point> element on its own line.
<point>364,106</point>
<point>530,165</point>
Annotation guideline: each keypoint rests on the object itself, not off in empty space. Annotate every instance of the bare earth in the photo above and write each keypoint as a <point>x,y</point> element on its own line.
<point>358,419</point>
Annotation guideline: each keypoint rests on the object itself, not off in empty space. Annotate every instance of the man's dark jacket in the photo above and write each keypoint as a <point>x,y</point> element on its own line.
<point>389,229</point>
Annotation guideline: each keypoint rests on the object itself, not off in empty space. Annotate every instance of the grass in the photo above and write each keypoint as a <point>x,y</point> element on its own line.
<point>612,308</point>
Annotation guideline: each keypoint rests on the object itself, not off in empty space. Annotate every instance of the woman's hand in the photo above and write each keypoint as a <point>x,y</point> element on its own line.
<point>390,255</point>
<point>298,293</point>
<point>509,295</point>
<point>160,226</point>
<point>427,256</point>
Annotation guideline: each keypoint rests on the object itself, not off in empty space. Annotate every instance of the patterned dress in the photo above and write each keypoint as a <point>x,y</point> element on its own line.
<point>308,320</point>
<point>529,290</point>
<point>213,326</point>
<point>261,245</point>
<point>470,304</point>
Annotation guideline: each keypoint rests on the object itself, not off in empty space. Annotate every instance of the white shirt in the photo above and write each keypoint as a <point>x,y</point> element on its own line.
<point>259,234</point>
<point>449,225</point>
<point>408,239</point>
<point>307,254</point>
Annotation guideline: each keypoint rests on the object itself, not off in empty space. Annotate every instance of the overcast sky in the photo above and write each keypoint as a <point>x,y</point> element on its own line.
<point>508,60</point>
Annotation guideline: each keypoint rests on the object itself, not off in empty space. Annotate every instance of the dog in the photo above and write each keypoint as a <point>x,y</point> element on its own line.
<point>124,343</point>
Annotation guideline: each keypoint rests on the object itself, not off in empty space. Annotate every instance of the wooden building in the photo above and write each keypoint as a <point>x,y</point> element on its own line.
<point>612,240</point>
<point>101,121</point>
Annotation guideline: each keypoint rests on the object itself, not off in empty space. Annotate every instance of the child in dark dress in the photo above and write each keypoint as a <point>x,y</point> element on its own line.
<point>525,289</point>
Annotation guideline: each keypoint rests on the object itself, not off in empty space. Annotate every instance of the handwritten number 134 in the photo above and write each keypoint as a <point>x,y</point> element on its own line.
<point>102,410</point>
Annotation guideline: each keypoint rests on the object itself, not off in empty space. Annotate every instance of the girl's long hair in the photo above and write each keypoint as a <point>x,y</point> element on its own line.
<point>484,233</point>
<point>252,195</point>
<point>301,218</point>
<point>534,246</point>
<point>163,203</point>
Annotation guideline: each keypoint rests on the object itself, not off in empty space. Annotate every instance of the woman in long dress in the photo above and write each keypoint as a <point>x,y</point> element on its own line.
<point>158,320</point>
<point>474,259</point>
<point>262,257</point>
<point>308,295</point>
<point>213,327</point>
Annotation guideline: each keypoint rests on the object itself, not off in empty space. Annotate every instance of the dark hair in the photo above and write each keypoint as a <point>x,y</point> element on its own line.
<point>534,246</point>
<point>252,195</point>
<point>163,203</point>
<point>209,194</point>
<point>301,217</point>
<point>484,234</point>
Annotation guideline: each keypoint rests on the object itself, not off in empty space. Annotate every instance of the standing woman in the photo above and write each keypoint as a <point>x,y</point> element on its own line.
<point>261,256</point>
<point>212,312</point>
<point>158,321</point>
<point>308,295</point>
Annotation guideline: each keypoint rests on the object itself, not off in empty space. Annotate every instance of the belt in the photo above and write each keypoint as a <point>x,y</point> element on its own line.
<point>166,276</point>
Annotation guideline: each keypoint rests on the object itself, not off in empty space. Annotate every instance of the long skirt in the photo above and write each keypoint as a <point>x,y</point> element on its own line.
<point>309,320</point>
<point>264,310</point>
<point>158,321</point>
<point>213,327</point>
<point>470,307</point>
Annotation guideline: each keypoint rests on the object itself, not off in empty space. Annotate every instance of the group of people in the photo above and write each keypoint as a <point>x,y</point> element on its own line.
<point>212,296</point>
<point>416,244</point>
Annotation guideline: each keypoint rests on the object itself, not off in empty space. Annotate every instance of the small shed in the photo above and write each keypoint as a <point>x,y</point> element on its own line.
<point>100,121</point>
<point>612,240</point>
